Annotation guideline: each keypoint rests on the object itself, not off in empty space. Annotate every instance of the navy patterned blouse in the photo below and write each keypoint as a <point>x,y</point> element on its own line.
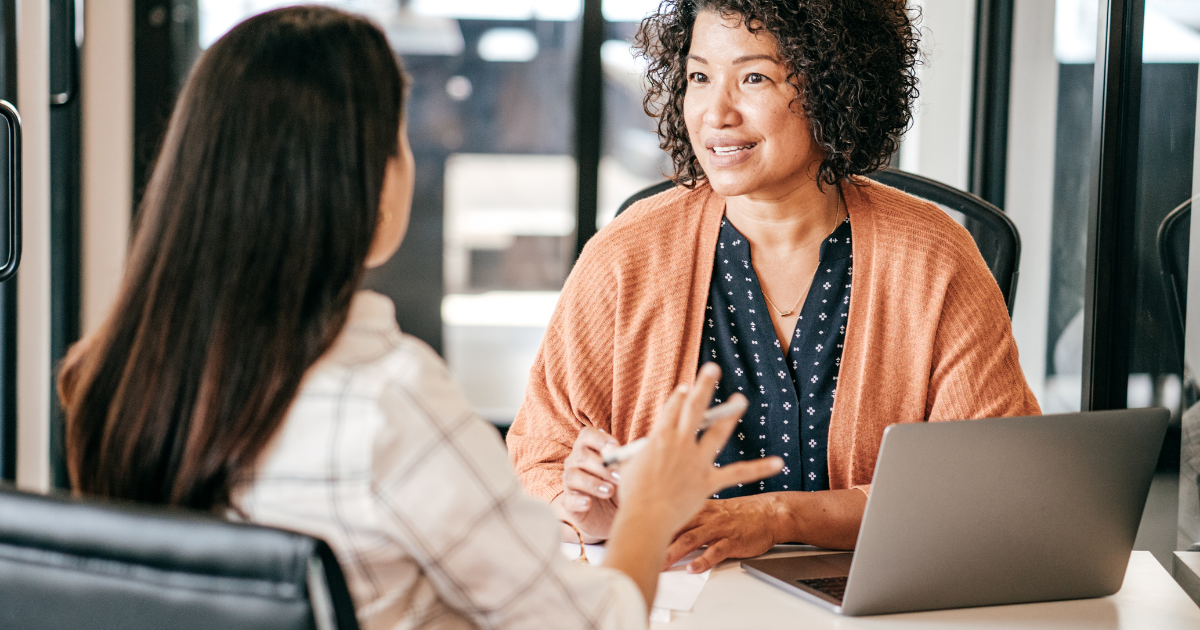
<point>790,390</point>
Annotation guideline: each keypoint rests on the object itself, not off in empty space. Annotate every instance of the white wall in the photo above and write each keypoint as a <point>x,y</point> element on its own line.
<point>33,278</point>
<point>1029,189</point>
<point>107,153</point>
<point>938,144</point>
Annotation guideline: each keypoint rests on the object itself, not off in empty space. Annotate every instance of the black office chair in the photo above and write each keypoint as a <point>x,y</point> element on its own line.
<point>1174,234</point>
<point>994,233</point>
<point>88,565</point>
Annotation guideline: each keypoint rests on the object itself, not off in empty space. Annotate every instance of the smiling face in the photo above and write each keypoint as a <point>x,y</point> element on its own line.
<point>746,134</point>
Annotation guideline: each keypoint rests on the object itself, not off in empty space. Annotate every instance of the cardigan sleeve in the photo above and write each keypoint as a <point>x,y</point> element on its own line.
<point>975,371</point>
<point>571,382</point>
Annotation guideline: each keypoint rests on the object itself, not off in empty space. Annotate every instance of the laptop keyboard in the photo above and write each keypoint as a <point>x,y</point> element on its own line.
<point>834,587</point>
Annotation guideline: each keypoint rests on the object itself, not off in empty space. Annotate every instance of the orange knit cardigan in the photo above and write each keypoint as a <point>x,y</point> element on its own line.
<point>928,336</point>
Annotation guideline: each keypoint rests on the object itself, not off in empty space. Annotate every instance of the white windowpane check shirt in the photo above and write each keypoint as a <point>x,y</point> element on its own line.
<point>382,458</point>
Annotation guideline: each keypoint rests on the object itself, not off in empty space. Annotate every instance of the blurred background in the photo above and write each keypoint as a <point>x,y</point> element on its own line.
<point>527,125</point>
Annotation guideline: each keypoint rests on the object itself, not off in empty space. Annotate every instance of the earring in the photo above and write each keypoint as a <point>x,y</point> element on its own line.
<point>385,218</point>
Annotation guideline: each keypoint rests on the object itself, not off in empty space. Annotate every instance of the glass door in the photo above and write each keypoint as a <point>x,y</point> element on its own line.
<point>10,239</point>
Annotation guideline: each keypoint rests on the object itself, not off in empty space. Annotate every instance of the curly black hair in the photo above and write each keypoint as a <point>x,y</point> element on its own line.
<point>852,62</point>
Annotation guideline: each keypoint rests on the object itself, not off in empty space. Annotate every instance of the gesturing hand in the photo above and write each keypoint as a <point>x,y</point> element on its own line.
<point>665,484</point>
<point>674,473</point>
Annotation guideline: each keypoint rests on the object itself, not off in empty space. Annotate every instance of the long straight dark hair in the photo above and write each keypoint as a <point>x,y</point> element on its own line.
<point>251,241</point>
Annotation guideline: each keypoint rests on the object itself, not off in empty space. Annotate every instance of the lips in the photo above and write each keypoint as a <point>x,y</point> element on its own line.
<point>726,151</point>
<point>730,150</point>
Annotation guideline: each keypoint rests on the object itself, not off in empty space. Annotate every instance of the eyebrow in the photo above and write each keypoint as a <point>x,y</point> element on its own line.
<point>739,60</point>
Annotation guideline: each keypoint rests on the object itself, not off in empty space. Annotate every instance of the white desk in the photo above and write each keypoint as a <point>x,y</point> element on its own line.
<point>1149,599</point>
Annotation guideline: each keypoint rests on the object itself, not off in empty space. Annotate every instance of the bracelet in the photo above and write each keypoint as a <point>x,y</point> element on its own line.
<point>582,559</point>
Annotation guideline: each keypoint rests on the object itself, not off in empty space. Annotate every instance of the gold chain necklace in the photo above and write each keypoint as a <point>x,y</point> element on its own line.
<point>783,313</point>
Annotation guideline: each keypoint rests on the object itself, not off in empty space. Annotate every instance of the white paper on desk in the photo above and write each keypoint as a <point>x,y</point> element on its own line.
<point>677,589</point>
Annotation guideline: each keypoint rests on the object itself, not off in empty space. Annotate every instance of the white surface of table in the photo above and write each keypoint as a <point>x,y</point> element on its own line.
<point>1149,599</point>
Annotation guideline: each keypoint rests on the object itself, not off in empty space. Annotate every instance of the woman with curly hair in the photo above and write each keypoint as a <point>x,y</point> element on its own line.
<point>836,304</point>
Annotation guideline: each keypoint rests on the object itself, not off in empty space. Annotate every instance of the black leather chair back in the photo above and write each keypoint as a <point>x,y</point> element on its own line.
<point>994,233</point>
<point>84,565</point>
<point>1174,234</point>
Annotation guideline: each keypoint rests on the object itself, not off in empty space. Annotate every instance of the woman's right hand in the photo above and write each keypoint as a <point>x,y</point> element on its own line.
<point>589,498</point>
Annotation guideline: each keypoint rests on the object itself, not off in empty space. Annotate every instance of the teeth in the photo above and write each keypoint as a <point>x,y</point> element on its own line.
<point>731,150</point>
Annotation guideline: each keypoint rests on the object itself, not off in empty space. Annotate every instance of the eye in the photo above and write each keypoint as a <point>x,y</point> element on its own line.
<point>698,77</point>
<point>755,77</point>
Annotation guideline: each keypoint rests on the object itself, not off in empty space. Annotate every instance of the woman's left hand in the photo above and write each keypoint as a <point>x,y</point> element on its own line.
<point>741,527</point>
<point>744,527</point>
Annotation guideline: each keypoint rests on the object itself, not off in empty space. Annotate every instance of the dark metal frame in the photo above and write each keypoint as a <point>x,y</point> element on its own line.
<point>160,32</point>
<point>65,199</point>
<point>8,290</point>
<point>989,116</point>
<point>589,122</point>
<point>1112,246</point>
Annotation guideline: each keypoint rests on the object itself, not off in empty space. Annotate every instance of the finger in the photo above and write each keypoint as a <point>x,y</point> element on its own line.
<point>745,472</point>
<point>685,543</point>
<point>734,407</point>
<point>668,418</point>
<point>582,482</point>
<point>699,398</point>
<point>717,435</point>
<point>715,553</point>
<point>591,462</point>
<point>576,503</point>
<point>591,438</point>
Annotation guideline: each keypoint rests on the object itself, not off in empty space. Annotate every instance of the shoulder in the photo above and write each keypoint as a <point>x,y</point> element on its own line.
<point>388,371</point>
<point>656,238</point>
<point>416,404</point>
<point>651,222</point>
<point>413,373</point>
<point>904,225</point>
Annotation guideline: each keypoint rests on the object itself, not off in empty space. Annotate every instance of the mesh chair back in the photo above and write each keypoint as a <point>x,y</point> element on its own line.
<point>994,233</point>
<point>1173,237</point>
<point>90,565</point>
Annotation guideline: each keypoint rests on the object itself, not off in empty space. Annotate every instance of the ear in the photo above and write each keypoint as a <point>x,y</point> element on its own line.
<point>395,204</point>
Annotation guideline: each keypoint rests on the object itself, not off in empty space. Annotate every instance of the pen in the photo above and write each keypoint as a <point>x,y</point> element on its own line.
<point>622,453</point>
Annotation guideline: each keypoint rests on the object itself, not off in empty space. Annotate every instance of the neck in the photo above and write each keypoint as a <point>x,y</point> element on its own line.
<point>788,219</point>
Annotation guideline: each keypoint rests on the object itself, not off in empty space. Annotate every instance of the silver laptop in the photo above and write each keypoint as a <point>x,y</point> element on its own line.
<point>986,512</point>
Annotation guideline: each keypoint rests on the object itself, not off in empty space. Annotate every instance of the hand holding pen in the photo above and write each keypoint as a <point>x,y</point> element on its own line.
<point>734,407</point>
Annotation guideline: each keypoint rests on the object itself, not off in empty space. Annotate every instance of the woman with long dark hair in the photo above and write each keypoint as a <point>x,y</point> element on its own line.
<point>241,371</point>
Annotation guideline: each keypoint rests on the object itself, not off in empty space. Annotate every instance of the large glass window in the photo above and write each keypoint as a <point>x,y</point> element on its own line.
<point>632,159</point>
<point>492,120</point>
<point>1163,349</point>
<point>492,126</point>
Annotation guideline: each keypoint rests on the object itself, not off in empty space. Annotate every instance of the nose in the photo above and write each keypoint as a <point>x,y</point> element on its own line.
<point>721,110</point>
